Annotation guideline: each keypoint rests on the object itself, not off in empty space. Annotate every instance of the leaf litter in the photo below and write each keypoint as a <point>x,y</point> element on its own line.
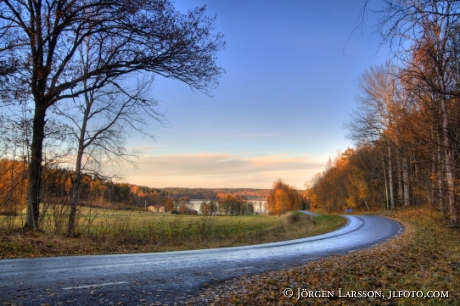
<point>424,258</point>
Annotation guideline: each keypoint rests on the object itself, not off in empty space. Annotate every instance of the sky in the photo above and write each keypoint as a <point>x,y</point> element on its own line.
<point>292,70</point>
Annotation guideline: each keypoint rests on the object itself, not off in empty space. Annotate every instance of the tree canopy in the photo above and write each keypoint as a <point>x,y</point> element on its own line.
<point>282,198</point>
<point>40,63</point>
<point>406,125</point>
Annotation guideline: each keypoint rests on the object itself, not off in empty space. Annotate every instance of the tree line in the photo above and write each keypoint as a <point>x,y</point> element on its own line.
<point>228,205</point>
<point>57,187</point>
<point>57,190</point>
<point>210,193</point>
<point>406,124</point>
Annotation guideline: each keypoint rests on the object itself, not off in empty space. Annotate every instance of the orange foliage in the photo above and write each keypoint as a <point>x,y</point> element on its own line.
<point>282,198</point>
<point>13,186</point>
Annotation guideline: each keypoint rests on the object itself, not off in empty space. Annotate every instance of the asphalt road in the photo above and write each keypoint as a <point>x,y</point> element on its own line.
<point>171,277</point>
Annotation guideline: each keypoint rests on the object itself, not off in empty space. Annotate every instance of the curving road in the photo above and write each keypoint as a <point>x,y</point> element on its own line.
<point>169,277</point>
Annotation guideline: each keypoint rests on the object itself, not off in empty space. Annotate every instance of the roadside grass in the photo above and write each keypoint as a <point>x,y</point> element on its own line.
<point>424,258</point>
<point>102,231</point>
<point>297,225</point>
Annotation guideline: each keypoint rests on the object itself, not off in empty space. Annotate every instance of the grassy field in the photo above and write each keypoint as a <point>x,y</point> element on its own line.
<point>103,231</point>
<point>423,260</point>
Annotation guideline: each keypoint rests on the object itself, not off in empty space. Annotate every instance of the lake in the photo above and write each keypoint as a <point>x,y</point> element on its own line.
<point>259,204</point>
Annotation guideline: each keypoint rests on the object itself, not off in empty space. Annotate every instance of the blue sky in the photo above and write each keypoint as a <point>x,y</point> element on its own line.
<point>292,70</point>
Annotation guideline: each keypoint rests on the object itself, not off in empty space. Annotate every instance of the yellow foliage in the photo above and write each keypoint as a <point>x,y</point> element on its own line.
<point>282,198</point>
<point>13,186</point>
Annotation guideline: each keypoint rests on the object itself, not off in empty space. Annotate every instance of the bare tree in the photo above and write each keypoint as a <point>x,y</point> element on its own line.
<point>39,42</point>
<point>102,119</point>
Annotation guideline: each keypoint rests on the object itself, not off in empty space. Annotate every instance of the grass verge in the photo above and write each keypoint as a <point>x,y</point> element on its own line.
<point>122,232</point>
<point>424,258</point>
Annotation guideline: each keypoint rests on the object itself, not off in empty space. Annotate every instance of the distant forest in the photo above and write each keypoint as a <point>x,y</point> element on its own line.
<point>97,191</point>
<point>210,193</point>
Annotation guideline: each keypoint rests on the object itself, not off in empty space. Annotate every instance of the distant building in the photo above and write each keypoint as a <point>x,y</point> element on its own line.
<point>156,209</point>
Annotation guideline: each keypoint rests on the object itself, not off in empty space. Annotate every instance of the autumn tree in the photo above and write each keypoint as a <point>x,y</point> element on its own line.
<point>329,190</point>
<point>282,198</point>
<point>381,105</point>
<point>406,124</point>
<point>12,185</point>
<point>210,208</point>
<point>234,206</point>
<point>426,37</point>
<point>39,54</point>
<point>354,179</point>
<point>364,181</point>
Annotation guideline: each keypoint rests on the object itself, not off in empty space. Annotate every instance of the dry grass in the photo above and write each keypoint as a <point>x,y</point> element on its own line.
<point>425,257</point>
<point>119,232</point>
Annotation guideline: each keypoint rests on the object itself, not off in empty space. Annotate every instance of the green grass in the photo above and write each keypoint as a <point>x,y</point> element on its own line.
<point>102,231</point>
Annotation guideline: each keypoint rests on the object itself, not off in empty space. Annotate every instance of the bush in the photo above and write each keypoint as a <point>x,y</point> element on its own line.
<point>292,217</point>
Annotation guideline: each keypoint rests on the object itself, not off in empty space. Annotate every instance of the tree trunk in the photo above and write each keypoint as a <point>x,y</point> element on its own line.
<point>453,222</point>
<point>81,148</point>
<point>387,206</point>
<point>35,168</point>
<point>368,208</point>
<point>431,182</point>
<point>439,178</point>
<point>406,181</point>
<point>77,179</point>
<point>74,200</point>
<point>390,178</point>
<point>400,181</point>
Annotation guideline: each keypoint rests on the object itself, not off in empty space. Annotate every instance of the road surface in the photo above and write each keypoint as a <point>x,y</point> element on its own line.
<point>171,277</point>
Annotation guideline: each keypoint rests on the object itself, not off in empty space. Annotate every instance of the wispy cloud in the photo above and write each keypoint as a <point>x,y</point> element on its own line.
<point>221,170</point>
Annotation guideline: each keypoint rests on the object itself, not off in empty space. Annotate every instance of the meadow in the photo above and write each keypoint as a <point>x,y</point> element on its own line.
<point>105,231</point>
